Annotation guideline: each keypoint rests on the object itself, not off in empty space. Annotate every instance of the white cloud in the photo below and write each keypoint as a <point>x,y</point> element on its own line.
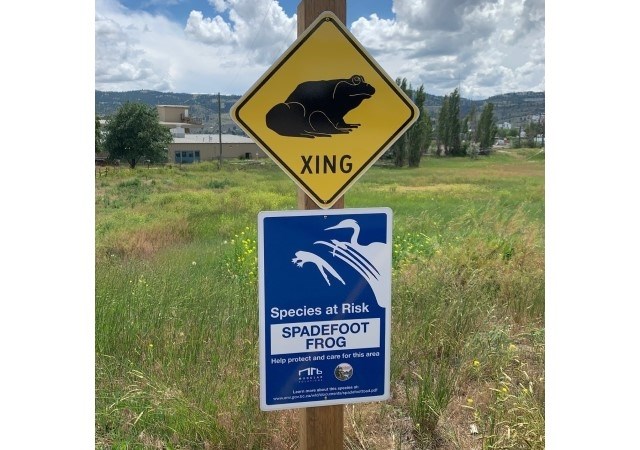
<point>137,50</point>
<point>219,5</point>
<point>259,28</point>
<point>487,46</point>
<point>120,61</point>
<point>381,36</point>
<point>207,30</point>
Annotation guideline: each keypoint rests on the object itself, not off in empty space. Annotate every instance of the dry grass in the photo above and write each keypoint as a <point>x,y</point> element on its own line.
<point>146,242</point>
<point>439,188</point>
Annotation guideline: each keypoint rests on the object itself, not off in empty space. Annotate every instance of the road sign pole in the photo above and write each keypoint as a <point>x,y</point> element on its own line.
<point>306,202</point>
<point>307,12</point>
<point>320,427</point>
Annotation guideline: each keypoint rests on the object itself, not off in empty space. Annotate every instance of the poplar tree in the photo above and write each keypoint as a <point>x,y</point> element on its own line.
<point>428,130</point>
<point>471,126</point>
<point>486,127</point>
<point>420,132</point>
<point>443,131</point>
<point>453,125</point>
<point>399,148</point>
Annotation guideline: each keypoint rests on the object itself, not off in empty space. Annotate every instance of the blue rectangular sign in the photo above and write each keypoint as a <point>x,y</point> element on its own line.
<point>325,307</point>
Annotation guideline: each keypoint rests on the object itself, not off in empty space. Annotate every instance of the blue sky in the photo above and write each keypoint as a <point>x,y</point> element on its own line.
<point>178,10</point>
<point>486,47</point>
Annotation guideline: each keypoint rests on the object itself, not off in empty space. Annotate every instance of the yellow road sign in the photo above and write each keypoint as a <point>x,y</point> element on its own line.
<point>325,111</point>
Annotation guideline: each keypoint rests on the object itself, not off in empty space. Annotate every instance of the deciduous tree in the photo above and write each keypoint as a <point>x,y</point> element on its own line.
<point>135,132</point>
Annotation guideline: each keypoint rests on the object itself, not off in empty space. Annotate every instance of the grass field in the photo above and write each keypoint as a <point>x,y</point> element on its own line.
<point>176,321</point>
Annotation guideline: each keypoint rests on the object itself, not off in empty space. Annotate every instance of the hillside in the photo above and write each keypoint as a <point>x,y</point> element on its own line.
<point>514,107</point>
<point>202,106</point>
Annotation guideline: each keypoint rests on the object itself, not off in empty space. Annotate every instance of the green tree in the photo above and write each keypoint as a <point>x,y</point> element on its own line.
<point>533,129</point>
<point>399,148</point>
<point>464,130</point>
<point>453,125</point>
<point>486,127</point>
<point>98,145</point>
<point>420,132</point>
<point>428,132</point>
<point>442,130</point>
<point>471,126</point>
<point>135,131</point>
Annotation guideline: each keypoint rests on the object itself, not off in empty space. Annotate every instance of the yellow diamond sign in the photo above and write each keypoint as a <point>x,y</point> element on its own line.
<point>325,111</point>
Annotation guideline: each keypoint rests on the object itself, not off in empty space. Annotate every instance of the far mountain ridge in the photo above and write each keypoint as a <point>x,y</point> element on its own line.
<point>514,107</point>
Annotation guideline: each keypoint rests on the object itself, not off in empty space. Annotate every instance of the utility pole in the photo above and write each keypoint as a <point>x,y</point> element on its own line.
<point>219,132</point>
<point>519,135</point>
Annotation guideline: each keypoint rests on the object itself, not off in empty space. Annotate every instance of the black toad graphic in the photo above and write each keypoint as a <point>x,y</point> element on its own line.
<point>317,108</point>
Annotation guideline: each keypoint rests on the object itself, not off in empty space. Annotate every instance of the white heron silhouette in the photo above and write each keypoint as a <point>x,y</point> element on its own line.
<point>368,260</point>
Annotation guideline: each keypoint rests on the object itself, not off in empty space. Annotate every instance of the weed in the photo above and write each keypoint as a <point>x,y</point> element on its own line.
<point>130,183</point>
<point>218,184</point>
<point>514,418</point>
<point>428,393</point>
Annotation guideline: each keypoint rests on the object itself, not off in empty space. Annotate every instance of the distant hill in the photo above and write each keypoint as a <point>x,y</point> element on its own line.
<point>203,106</point>
<point>513,107</point>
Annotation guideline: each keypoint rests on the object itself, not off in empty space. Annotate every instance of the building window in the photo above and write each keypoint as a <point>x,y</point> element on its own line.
<point>187,156</point>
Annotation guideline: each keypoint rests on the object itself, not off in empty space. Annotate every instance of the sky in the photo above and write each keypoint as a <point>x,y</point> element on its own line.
<point>484,47</point>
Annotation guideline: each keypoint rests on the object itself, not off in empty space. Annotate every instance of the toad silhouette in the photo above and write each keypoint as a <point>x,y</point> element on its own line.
<point>317,108</point>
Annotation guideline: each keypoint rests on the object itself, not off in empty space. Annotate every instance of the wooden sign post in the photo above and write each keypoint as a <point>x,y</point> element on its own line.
<point>304,112</point>
<point>321,427</point>
<point>307,12</point>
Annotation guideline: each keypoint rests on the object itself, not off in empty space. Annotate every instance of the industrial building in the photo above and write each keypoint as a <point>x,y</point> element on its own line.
<point>172,116</point>
<point>190,148</point>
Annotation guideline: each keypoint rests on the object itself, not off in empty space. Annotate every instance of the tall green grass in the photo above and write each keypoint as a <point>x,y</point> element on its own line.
<point>177,319</point>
